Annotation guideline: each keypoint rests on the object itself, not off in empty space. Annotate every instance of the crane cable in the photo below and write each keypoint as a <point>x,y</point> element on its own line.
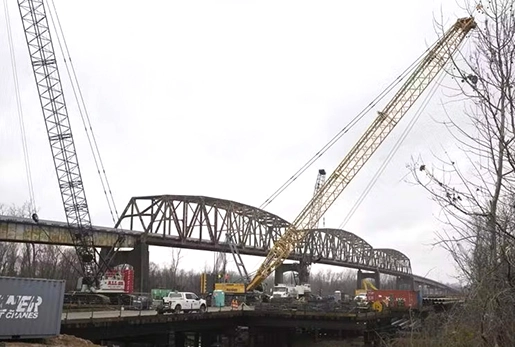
<point>392,152</point>
<point>83,112</point>
<point>345,129</point>
<point>19,109</point>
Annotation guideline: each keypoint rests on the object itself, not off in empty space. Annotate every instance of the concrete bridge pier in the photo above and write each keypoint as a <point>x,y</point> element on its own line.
<point>300,268</point>
<point>375,275</point>
<point>138,258</point>
<point>405,283</point>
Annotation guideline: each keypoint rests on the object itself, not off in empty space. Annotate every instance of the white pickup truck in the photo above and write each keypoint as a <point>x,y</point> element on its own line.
<point>176,302</point>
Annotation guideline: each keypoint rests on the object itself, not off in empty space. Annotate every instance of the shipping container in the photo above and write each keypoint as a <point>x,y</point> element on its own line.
<point>397,299</point>
<point>30,308</point>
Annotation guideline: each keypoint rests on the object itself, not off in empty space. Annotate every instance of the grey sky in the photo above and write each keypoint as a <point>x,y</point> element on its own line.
<point>228,100</point>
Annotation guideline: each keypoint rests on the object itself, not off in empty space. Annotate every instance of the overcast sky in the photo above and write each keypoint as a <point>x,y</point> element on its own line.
<point>228,99</point>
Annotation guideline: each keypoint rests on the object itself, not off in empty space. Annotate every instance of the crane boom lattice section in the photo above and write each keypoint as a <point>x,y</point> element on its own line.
<point>307,257</point>
<point>381,127</point>
<point>46,73</point>
<point>315,213</point>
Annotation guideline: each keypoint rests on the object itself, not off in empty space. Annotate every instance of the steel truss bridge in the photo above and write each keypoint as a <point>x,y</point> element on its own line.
<point>199,222</point>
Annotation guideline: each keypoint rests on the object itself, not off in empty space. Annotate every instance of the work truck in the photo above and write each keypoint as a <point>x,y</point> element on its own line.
<point>285,291</point>
<point>176,302</point>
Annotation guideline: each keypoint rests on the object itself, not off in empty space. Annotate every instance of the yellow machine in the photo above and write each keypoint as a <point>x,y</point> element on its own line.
<point>366,285</point>
<point>234,288</point>
<point>424,73</point>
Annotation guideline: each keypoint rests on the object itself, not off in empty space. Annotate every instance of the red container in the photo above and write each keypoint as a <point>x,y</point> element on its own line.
<point>394,298</point>
<point>128,277</point>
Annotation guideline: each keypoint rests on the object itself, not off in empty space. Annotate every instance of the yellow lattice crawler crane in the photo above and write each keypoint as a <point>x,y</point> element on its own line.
<point>384,123</point>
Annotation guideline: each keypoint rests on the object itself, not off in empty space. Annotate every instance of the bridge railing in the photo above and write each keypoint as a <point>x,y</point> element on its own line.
<point>136,304</point>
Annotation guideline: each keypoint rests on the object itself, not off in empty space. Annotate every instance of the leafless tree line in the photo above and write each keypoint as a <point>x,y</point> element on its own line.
<point>58,262</point>
<point>475,188</point>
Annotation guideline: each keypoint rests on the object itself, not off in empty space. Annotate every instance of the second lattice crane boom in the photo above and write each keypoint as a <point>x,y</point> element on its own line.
<point>384,123</point>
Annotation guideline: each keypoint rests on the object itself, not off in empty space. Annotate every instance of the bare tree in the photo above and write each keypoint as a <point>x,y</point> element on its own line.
<point>478,197</point>
<point>8,257</point>
<point>220,263</point>
<point>26,263</point>
<point>173,269</point>
<point>35,260</point>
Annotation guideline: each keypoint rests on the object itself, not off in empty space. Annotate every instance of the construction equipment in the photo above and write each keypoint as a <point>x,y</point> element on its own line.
<point>366,285</point>
<point>384,123</point>
<point>284,291</point>
<point>231,288</point>
<point>237,290</point>
<point>316,212</point>
<point>95,275</point>
<point>302,276</point>
<point>300,286</point>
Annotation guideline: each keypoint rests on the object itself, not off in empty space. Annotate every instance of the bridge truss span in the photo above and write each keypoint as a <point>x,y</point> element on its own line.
<point>203,219</point>
<point>201,222</point>
<point>337,245</point>
<point>392,259</point>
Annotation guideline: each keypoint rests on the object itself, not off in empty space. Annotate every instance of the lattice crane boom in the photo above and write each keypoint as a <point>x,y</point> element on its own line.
<point>55,112</point>
<point>315,215</point>
<point>317,210</point>
<point>308,258</point>
<point>384,123</point>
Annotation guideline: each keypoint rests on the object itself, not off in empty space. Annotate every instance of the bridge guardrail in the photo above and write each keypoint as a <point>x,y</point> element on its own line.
<point>135,303</point>
<point>141,304</point>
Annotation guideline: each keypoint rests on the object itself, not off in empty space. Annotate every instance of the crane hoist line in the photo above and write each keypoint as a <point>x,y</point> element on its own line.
<point>386,120</point>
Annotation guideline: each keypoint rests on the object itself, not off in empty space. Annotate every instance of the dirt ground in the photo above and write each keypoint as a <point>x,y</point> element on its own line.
<point>59,341</point>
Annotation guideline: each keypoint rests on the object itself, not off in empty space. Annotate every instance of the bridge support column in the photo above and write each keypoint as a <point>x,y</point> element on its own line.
<point>405,283</point>
<point>300,268</point>
<point>139,259</point>
<point>376,276</point>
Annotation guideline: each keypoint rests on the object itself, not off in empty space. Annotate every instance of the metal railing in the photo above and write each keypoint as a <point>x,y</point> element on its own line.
<point>136,307</point>
<point>135,304</point>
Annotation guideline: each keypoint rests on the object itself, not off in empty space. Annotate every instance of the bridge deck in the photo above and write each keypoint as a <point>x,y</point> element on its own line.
<point>14,229</point>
